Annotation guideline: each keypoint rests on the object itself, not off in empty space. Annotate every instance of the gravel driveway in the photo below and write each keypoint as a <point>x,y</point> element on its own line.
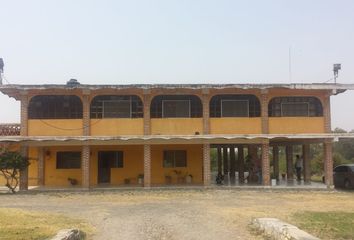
<point>177,214</point>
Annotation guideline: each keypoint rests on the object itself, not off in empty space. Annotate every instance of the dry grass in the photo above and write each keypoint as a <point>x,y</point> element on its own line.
<point>333,225</point>
<point>187,214</point>
<point>21,224</point>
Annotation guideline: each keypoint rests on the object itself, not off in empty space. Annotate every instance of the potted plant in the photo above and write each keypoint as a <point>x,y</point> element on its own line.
<point>140,178</point>
<point>168,179</point>
<point>189,178</point>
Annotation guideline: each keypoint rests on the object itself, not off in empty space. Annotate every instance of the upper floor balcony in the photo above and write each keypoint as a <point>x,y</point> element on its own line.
<point>114,115</point>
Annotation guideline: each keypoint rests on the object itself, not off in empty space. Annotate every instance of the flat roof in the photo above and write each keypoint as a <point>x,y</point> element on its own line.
<point>14,89</point>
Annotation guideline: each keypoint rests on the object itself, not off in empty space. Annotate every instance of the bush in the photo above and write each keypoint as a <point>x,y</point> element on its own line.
<point>11,163</point>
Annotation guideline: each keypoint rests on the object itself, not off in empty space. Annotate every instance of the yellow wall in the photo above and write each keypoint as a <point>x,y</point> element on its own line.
<point>284,125</point>
<point>194,164</point>
<point>233,125</point>
<point>133,164</point>
<point>51,127</point>
<point>59,177</point>
<point>117,126</point>
<point>177,126</point>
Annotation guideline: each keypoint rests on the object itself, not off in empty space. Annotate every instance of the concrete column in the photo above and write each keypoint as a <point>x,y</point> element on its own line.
<point>24,173</point>
<point>41,166</point>
<point>306,163</point>
<point>219,160</point>
<point>206,164</point>
<point>206,114</point>
<point>24,132</point>
<point>232,165</point>
<point>289,162</point>
<point>147,166</point>
<point>147,120</point>
<point>328,162</point>
<point>264,111</point>
<point>241,165</point>
<point>265,164</point>
<point>86,113</point>
<point>85,166</point>
<point>225,160</point>
<point>327,113</point>
<point>276,161</point>
<point>24,113</point>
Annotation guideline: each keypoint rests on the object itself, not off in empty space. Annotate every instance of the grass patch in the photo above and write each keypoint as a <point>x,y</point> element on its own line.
<point>326,225</point>
<point>21,224</point>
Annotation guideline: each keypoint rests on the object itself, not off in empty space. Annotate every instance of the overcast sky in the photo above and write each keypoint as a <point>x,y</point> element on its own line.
<point>199,41</point>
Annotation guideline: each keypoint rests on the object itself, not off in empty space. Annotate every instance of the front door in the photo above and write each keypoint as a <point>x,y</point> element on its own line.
<point>104,167</point>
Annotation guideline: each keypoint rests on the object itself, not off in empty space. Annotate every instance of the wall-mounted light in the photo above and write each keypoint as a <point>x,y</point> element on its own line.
<point>47,153</point>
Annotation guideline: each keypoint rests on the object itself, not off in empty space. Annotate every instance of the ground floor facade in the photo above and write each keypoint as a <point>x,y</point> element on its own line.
<point>181,163</point>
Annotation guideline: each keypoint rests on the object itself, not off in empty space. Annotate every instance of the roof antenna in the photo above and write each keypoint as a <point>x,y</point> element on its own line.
<point>1,70</point>
<point>336,68</point>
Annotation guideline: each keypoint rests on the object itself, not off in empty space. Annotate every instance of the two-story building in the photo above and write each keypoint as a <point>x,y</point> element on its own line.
<point>153,135</point>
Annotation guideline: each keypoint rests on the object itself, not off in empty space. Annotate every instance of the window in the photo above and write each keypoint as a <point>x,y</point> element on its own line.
<point>68,160</point>
<point>295,107</point>
<point>186,106</point>
<point>234,108</point>
<point>232,105</point>
<point>111,159</point>
<point>116,109</point>
<point>174,158</point>
<point>115,106</point>
<point>175,108</point>
<point>340,169</point>
<point>55,107</point>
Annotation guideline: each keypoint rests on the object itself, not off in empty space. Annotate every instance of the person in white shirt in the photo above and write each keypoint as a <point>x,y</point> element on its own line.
<point>298,167</point>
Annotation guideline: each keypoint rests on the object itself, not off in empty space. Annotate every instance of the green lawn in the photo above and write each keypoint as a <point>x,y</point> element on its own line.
<point>20,224</point>
<point>326,225</point>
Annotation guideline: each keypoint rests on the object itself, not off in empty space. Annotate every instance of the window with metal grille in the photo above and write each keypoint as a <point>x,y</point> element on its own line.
<point>115,106</point>
<point>176,108</point>
<point>55,107</point>
<point>68,160</point>
<point>234,108</point>
<point>179,106</point>
<point>232,105</point>
<point>295,107</point>
<point>174,158</point>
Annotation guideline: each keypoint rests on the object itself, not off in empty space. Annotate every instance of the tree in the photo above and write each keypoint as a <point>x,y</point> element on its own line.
<point>11,163</point>
<point>339,130</point>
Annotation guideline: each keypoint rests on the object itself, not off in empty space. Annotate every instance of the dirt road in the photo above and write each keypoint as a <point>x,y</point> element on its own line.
<point>178,214</point>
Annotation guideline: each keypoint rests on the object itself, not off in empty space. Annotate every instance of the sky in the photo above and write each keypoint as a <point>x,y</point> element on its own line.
<point>178,41</point>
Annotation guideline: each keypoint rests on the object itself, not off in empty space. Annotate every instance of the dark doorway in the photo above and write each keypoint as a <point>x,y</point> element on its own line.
<point>106,161</point>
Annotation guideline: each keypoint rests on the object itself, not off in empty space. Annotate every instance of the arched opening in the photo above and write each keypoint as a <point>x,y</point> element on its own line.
<point>55,107</point>
<point>116,106</point>
<point>176,106</point>
<point>233,105</point>
<point>295,107</point>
